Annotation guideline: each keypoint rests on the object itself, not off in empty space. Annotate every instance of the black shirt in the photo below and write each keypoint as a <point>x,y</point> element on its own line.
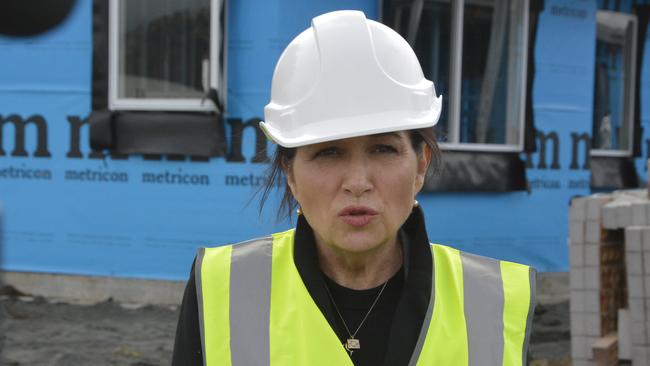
<point>391,330</point>
<point>354,305</point>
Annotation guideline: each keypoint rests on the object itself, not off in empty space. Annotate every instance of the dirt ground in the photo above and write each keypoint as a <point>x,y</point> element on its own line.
<point>36,331</point>
<point>550,342</point>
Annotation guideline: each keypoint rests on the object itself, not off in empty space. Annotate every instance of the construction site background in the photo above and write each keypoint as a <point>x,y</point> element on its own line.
<point>60,320</point>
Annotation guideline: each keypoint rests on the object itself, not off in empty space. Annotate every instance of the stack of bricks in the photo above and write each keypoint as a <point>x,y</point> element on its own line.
<point>606,273</point>
<point>593,258</point>
<point>637,261</point>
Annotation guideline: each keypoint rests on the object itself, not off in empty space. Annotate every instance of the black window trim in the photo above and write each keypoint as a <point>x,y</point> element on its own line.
<point>197,134</point>
<point>619,172</point>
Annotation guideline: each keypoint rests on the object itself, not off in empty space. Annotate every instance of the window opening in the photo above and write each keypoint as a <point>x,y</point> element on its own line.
<point>475,51</point>
<point>614,84</point>
<point>164,54</point>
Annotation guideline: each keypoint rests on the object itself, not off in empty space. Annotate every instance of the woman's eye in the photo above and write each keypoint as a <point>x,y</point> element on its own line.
<point>384,149</point>
<point>327,152</point>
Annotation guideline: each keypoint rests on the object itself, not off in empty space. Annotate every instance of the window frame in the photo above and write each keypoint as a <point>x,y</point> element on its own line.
<point>455,89</point>
<point>629,87</point>
<point>215,80</point>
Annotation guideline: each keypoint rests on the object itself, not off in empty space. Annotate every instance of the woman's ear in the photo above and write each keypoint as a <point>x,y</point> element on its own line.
<point>288,172</point>
<point>424,160</point>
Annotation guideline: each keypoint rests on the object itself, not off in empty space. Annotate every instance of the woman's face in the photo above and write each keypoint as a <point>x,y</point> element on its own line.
<point>356,193</point>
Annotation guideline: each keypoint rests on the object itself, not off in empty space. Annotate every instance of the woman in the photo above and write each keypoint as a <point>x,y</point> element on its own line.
<point>356,282</point>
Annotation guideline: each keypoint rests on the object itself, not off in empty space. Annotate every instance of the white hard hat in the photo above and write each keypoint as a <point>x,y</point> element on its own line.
<point>347,76</point>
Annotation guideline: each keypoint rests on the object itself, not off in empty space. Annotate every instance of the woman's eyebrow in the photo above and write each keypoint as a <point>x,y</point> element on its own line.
<point>387,134</point>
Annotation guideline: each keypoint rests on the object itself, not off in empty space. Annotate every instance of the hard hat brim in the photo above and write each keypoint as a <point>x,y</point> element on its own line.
<point>338,129</point>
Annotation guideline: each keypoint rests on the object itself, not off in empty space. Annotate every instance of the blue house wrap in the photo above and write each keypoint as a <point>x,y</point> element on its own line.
<point>65,211</point>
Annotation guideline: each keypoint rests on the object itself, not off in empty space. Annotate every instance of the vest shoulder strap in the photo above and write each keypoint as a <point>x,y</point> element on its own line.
<point>475,298</point>
<point>236,280</point>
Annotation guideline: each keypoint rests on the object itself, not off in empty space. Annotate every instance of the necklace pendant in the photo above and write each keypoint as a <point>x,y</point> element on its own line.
<point>352,344</point>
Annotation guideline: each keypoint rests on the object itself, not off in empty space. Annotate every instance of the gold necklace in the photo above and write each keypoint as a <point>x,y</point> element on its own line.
<point>353,343</point>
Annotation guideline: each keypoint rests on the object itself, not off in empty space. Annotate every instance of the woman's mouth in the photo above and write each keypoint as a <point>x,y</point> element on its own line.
<point>357,216</point>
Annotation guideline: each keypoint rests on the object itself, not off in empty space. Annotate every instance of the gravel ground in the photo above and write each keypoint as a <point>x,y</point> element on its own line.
<point>550,343</point>
<point>36,331</point>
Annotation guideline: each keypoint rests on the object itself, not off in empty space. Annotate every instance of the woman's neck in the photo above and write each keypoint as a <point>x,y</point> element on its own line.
<point>360,271</point>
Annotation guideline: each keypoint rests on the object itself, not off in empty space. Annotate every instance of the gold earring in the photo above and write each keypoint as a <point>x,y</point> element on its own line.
<point>299,211</point>
<point>416,203</point>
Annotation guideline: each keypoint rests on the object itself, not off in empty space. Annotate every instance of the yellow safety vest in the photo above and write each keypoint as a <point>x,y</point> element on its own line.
<point>254,309</point>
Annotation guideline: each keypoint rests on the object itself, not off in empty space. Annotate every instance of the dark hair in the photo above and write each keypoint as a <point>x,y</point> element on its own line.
<point>275,177</point>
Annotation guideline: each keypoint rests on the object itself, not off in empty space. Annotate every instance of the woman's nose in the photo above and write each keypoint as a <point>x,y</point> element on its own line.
<point>357,177</point>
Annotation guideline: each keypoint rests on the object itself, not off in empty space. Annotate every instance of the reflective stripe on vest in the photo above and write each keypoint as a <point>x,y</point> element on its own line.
<point>254,309</point>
